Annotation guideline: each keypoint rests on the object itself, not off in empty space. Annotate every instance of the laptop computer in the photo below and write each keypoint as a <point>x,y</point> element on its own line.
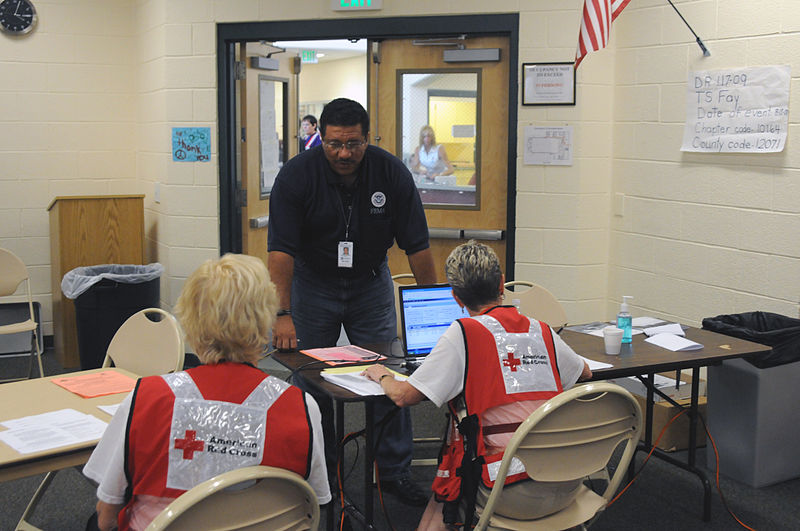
<point>425,313</point>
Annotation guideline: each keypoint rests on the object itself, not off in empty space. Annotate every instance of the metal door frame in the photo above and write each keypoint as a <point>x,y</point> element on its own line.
<point>229,34</point>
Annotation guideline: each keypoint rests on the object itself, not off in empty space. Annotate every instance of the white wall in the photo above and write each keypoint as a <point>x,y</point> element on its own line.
<point>89,99</point>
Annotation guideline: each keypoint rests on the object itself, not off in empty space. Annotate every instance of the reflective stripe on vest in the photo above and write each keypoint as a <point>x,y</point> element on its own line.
<point>209,437</point>
<point>523,358</point>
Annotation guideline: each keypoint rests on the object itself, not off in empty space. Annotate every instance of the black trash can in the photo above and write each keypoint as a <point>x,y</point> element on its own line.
<point>105,296</point>
<point>750,410</point>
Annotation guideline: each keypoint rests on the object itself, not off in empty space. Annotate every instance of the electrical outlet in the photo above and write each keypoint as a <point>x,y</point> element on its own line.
<point>157,193</point>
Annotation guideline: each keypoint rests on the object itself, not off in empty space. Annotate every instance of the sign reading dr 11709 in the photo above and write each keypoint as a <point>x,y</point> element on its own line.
<point>737,110</point>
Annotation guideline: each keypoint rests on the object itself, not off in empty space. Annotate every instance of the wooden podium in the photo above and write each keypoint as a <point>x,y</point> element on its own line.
<point>84,231</point>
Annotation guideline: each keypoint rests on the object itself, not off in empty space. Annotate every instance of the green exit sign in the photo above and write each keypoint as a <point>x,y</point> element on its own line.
<point>308,56</point>
<point>356,5</point>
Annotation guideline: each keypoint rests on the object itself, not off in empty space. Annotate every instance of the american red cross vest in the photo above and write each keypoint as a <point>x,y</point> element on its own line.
<point>187,427</point>
<point>509,358</point>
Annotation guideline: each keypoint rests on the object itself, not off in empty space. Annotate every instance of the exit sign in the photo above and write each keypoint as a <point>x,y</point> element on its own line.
<point>308,56</point>
<point>356,5</point>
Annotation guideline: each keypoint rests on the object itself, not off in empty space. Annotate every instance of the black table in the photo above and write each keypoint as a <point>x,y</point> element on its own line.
<point>637,359</point>
<point>642,360</point>
<point>293,361</point>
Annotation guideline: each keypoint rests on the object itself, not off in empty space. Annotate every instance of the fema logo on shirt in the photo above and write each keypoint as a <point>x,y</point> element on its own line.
<point>378,201</point>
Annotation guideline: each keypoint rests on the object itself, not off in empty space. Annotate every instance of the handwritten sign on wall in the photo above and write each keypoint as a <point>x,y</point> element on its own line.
<point>190,144</point>
<point>737,110</point>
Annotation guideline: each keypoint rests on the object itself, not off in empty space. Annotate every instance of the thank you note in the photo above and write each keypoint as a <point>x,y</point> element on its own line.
<point>737,110</point>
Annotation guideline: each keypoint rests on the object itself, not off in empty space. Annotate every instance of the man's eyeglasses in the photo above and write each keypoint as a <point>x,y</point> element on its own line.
<point>351,145</point>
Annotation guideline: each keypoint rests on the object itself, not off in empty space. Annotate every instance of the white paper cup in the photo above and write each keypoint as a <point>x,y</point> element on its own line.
<point>613,339</point>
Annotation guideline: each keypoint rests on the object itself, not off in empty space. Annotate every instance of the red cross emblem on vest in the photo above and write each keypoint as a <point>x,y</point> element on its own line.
<point>189,445</point>
<point>512,362</point>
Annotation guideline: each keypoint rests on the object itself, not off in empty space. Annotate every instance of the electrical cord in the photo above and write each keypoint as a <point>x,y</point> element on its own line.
<point>716,473</point>
<point>391,349</point>
<point>338,363</point>
<point>716,456</point>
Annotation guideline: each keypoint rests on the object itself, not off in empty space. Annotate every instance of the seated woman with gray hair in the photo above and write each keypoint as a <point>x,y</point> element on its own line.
<point>177,430</point>
<point>498,366</point>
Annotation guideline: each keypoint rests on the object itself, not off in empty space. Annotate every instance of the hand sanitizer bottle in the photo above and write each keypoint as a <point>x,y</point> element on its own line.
<point>624,320</point>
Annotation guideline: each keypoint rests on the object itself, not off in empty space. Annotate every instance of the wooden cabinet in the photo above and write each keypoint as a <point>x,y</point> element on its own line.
<point>89,230</point>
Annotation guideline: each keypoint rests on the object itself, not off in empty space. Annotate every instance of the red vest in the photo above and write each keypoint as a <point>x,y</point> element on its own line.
<point>228,414</point>
<point>509,358</point>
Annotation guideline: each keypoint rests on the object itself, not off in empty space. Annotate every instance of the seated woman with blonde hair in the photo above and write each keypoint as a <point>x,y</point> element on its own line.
<point>177,430</point>
<point>430,159</point>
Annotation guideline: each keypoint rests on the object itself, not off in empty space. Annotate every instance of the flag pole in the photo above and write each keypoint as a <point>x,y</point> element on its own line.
<point>702,46</point>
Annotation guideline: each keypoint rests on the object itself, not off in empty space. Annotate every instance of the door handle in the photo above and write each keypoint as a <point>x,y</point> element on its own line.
<point>465,234</point>
<point>259,222</point>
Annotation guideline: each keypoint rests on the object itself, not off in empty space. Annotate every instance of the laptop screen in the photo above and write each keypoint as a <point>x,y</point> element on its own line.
<point>425,313</point>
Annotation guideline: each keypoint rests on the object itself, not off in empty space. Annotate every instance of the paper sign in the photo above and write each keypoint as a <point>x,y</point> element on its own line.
<point>190,144</point>
<point>737,110</point>
<point>97,384</point>
<point>548,145</point>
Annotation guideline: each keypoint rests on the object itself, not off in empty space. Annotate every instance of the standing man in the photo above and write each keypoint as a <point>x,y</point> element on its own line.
<point>311,136</point>
<point>334,212</point>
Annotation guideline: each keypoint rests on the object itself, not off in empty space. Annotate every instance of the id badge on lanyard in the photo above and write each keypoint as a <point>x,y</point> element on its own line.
<point>345,254</point>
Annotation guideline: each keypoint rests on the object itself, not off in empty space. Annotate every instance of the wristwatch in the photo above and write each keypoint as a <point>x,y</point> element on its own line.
<point>380,380</point>
<point>284,312</point>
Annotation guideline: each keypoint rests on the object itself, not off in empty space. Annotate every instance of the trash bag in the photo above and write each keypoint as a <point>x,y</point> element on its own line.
<point>80,279</point>
<point>105,296</point>
<point>780,332</point>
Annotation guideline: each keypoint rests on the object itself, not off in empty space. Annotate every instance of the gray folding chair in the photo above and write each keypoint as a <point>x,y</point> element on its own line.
<point>261,497</point>
<point>570,437</point>
<point>12,273</point>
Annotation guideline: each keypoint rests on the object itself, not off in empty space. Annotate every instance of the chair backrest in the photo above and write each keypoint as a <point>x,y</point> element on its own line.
<point>12,272</point>
<point>395,279</point>
<point>573,435</point>
<point>538,303</point>
<point>146,347</point>
<point>272,498</point>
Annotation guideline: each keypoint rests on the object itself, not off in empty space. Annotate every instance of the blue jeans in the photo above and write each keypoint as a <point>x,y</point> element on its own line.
<point>321,305</point>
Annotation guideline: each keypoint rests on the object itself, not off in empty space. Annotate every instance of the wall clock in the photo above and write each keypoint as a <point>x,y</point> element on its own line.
<point>17,17</point>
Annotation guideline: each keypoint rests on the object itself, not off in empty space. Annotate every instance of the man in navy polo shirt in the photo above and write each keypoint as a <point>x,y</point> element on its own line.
<point>334,212</point>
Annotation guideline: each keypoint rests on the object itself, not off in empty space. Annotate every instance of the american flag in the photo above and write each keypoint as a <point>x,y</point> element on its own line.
<point>596,25</point>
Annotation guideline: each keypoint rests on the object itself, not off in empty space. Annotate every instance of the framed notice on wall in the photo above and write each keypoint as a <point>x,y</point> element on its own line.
<point>548,83</point>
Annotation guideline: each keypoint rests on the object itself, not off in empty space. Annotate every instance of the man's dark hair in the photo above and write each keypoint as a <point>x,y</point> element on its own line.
<point>310,118</point>
<point>344,112</point>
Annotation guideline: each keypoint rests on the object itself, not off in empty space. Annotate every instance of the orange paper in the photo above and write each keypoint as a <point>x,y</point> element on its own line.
<point>97,384</point>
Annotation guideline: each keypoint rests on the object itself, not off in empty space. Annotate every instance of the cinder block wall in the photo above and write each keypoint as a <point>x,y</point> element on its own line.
<point>700,234</point>
<point>89,100</point>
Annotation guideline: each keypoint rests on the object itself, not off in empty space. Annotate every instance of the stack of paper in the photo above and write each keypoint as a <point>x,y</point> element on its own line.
<point>97,383</point>
<point>351,379</point>
<point>672,328</point>
<point>37,433</point>
<point>673,342</point>
<point>345,354</point>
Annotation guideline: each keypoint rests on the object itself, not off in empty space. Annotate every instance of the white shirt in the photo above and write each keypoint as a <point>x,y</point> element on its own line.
<point>106,464</point>
<point>441,375</point>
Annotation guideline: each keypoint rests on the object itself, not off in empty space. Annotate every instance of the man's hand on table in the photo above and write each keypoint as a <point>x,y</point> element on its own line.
<point>284,336</point>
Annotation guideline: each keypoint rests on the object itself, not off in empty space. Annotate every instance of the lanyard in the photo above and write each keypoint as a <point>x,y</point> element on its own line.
<point>349,215</point>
